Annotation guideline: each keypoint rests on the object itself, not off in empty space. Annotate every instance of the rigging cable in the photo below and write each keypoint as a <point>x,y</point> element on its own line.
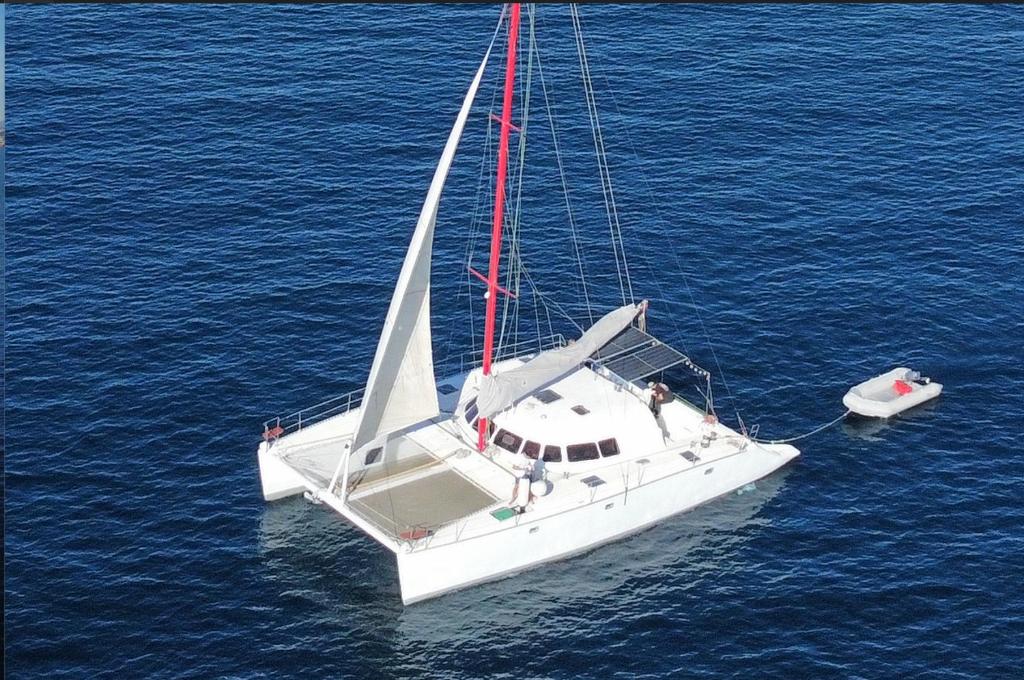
<point>573,230</point>
<point>474,225</point>
<point>708,395</point>
<point>479,213</point>
<point>515,256</point>
<point>558,307</point>
<point>602,159</point>
<point>675,257</point>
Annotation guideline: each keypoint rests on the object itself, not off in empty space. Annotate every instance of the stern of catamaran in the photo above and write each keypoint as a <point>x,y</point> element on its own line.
<point>414,482</point>
<point>302,450</point>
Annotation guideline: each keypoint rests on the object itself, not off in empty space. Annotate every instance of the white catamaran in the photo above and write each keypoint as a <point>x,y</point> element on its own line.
<point>532,455</point>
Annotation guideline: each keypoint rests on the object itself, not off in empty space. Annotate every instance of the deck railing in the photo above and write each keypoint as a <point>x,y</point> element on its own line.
<point>293,422</point>
<point>469,360</point>
<point>279,426</point>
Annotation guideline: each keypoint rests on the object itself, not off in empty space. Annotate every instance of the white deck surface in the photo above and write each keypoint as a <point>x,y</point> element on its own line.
<point>444,485</point>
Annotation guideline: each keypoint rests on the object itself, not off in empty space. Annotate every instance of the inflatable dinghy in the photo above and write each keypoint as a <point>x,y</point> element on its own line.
<point>891,393</point>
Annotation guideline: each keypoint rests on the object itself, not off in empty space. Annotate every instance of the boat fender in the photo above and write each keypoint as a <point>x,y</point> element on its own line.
<point>523,492</point>
<point>541,487</point>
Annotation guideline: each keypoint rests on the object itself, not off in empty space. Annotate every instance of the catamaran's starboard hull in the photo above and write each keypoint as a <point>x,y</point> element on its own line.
<point>429,572</point>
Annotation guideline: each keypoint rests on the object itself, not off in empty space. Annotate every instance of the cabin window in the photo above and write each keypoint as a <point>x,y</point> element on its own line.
<point>531,449</point>
<point>508,441</point>
<point>548,396</point>
<point>578,452</point>
<point>581,409</point>
<point>373,455</point>
<point>471,410</point>
<point>609,447</point>
<point>552,454</point>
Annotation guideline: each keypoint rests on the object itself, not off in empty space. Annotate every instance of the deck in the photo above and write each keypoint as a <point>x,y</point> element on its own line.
<point>430,500</point>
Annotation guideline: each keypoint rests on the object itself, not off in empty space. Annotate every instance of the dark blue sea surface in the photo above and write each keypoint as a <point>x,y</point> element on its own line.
<point>207,207</point>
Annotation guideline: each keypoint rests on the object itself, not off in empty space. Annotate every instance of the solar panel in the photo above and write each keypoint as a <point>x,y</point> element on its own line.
<point>634,354</point>
<point>645,361</point>
<point>628,340</point>
<point>662,356</point>
<point>629,368</point>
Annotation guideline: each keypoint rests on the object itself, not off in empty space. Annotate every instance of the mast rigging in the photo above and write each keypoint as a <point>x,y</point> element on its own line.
<point>499,207</point>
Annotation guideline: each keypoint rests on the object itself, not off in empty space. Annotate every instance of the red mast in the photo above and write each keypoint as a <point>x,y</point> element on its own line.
<point>499,207</point>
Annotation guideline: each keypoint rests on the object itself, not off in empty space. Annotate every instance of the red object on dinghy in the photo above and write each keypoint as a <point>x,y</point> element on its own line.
<point>902,387</point>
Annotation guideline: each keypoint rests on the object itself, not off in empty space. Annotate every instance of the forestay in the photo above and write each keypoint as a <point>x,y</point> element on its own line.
<point>498,391</point>
<point>401,390</point>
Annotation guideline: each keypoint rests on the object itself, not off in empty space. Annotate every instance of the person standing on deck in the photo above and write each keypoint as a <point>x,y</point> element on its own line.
<point>659,394</point>
<point>522,468</point>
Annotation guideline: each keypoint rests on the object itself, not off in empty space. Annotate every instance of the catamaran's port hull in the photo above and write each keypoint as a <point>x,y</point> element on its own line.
<point>277,479</point>
<point>431,571</point>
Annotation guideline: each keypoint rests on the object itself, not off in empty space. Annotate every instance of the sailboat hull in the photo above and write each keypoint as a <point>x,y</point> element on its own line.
<point>277,479</point>
<point>622,510</point>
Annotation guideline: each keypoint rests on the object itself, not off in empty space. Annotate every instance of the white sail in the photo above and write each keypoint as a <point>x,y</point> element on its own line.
<point>401,390</point>
<point>498,391</point>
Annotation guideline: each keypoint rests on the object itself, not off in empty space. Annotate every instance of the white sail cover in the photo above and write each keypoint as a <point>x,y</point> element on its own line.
<point>498,391</point>
<point>401,390</point>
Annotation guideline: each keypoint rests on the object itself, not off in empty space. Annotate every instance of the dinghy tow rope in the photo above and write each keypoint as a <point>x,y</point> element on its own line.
<point>802,436</point>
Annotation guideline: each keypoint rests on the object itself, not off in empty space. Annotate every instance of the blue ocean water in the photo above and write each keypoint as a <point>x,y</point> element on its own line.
<point>207,207</point>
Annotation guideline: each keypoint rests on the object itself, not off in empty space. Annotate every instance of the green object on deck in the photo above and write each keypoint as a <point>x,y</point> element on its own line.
<point>502,514</point>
